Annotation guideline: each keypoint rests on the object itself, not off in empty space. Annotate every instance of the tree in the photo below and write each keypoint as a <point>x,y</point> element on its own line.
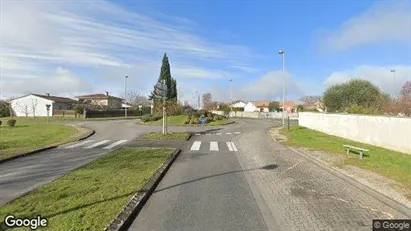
<point>357,92</point>
<point>134,98</point>
<point>207,101</point>
<point>406,91</point>
<point>4,109</point>
<point>310,99</point>
<point>33,106</point>
<point>274,106</point>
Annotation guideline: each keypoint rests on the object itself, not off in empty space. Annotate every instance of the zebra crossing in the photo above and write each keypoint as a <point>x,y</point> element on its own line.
<point>90,144</point>
<point>218,133</point>
<point>213,146</point>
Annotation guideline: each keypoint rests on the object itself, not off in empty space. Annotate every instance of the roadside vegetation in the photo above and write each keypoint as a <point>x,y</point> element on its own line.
<point>168,136</point>
<point>92,196</point>
<point>18,135</point>
<point>392,164</point>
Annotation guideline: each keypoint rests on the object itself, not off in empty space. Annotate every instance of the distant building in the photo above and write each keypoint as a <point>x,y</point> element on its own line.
<point>259,106</point>
<point>35,104</point>
<point>101,100</point>
<point>289,107</point>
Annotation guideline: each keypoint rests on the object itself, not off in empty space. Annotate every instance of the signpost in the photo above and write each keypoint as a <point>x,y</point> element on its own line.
<point>202,121</point>
<point>48,110</point>
<point>160,90</point>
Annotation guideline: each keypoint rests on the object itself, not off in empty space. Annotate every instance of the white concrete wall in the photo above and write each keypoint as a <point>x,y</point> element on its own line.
<point>24,105</point>
<point>389,132</point>
<point>264,115</point>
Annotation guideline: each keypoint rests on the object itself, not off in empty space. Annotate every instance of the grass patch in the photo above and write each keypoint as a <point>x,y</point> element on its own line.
<point>392,164</point>
<point>179,120</point>
<point>168,136</point>
<point>92,196</point>
<point>28,135</point>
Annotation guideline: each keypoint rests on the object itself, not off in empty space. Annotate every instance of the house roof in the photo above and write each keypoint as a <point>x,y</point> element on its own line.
<point>96,96</point>
<point>289,104</point>
<point>56,99</point>
<point>260,103</point>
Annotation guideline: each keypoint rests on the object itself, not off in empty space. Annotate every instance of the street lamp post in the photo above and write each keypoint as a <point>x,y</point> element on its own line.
<point>394,71</point>
<point>282,53</point>
<point>125,96</point>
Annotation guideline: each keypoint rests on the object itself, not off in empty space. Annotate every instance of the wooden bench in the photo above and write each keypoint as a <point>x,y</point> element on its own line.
<point>361,150</point>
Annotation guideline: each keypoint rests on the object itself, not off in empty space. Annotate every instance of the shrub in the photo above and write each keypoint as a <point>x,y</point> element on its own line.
<point>4,109</point>
<point>11,122</point>
<point>355,109</point>
<point>194,120</point>
<point>0,122</point>
<point>209,119</point>
<point>187,120</point>
<point>79,109</point>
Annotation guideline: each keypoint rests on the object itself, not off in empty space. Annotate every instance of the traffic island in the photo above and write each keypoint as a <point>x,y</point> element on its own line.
<point>178,136</point>
<point>95,195</point>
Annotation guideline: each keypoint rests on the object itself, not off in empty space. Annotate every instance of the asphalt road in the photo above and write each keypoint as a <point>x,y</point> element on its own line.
<point>205,189</point>
<point>22,175</point>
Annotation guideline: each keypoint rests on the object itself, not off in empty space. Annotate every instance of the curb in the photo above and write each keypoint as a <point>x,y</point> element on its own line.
<point>36,151</point>
<point>370,191</point>
<point>125,218</point>
<point>365,188</point>
<point>187,125</point>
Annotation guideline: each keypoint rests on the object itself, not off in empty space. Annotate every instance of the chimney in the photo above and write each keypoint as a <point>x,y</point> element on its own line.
<point>107,93</point>
<point>48,94</point>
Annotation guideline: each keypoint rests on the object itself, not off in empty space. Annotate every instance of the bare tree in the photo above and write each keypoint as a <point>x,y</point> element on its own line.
<point>135,98</point>
<point>310,99</point>
<point>207,101</point>
<point>34,103</point>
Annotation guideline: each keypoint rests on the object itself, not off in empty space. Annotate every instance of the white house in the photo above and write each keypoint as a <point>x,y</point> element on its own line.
<point>238,104</point>
<point>35,104</point>
<point>260,106</point>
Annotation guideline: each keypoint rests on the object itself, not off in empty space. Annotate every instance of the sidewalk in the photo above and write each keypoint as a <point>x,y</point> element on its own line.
<point>305,195</point>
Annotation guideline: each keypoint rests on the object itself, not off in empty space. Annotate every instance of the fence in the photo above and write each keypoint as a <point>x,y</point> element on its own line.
<point>116,113</point>
<point>259,115</point>
<point>389,132</point>
<point>65,113</point>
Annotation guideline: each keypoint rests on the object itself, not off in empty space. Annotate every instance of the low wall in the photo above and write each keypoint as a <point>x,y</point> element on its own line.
<point>388,132</point>
<point>258,115</point>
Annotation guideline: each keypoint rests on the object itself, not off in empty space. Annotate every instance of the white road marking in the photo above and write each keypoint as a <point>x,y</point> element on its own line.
<point>97,144</point>
<point>228,133</point>
<point>198,134</point>
<point>208,134</point>
<point>237,132</point>
<point>229,146</point>
<point>234,147</point>
<point>213,146</point>
<point>115,144</point>
<point>219,134</point>
<point>196,146</point>
<point>79,144</point>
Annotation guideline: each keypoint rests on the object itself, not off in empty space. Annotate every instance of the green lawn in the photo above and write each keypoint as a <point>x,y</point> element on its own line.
<point>168,136</point>
<point>392,164</point>
<point>178,121</point>
<point>28,135</point>
<point>92,196</point>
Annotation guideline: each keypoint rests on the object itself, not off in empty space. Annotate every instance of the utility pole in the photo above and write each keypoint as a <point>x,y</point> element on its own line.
<point>282,53</point>
<point>164,109</point>
<point>125,96</point>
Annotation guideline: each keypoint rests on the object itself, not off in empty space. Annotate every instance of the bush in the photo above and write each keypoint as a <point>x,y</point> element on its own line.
<point>0,122</point>
<point>79,109</point>
<point>355,109</point>
<point>154,117</point>
<point>209,119</point>
<point>187,120</point>
<point>11,122</point>
<point>4,109</point>
<point>194,120</point>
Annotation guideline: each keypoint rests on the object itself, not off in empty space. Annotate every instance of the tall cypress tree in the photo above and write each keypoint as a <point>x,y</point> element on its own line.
<point>165,74</point>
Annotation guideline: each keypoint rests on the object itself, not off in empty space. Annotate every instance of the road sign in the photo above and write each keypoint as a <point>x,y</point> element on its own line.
<point>203,120</point>
<point>160,93</point>
<point>161,86</point>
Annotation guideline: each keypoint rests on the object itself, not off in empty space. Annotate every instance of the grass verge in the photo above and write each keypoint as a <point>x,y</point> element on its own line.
<point>28,135</point>
<point>67,118</point>
<point>89,198</point>
<point>179,121</point>
<point>168,136</point>
<point>392,164</point>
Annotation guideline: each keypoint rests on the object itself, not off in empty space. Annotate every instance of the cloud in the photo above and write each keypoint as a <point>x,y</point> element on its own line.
<point>38,37</point>
<point>62,83</point>
<point>381,76</point>
<point>266,87</point>
<point>246,68</point>
<point>385,21</point>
